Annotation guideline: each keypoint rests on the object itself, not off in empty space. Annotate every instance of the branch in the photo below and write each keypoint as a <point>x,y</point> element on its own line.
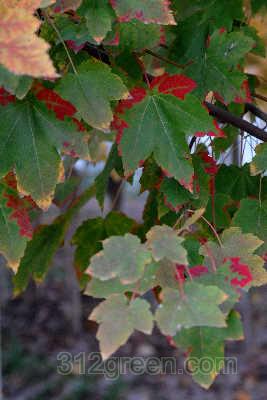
<point>256,111</point>
<point>225,116</point>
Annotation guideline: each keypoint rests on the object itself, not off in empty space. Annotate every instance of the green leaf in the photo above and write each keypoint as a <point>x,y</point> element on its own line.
<point>217,70</point>
<point>206,347</point>
<point>164,243</point>
<point>236,182</point>
<point>251,217</point>
<point>152,11</point>
<point>39,253</point>
<point>175,195</point>
<point>118,319</point>
<point>99,17</point>
<point>217,210</point>
<point>198,307</point>
<point>160,125</point>
<point>123,257</point>
<point>30,140</point>
<point>91,90</point>
<point>259,162</point>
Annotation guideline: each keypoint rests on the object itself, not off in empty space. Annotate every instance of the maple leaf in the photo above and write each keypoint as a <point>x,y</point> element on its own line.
<point>150,11</point>
<point>159,123</point>
<point>118,319</point>
<point>34,152</point>
<point>21,50</point>
<point>199,307</point>
<point>216,68</point>
<point>91,90</point>
<point>113,261</point>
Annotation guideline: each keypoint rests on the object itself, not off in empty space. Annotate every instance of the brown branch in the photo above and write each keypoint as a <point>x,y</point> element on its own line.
<point>225,116</point>
<point>260,96</point>
<point>256,111</point>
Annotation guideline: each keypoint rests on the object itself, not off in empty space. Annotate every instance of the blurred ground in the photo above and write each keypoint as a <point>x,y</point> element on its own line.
<point>53,318</point>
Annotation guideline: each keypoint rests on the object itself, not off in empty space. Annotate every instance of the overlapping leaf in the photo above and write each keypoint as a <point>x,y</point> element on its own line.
<point>30,138</point>
<point>159,122</point>
<point>217,70</point>
<point>198,307</point>
<point>118,319</point>
<point>91,90</point>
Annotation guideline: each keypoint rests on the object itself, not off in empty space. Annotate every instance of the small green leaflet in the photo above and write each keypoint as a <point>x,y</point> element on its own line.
<point>118,319</point>
<point>149,11</point>
<point>164,243</point>
<point>30,137</point>
<point>123,257</point>
<point>91,90</point>
<point>206,345</point>
<point>99,17</point>
<point>199,307</point>
<point>160,125</point>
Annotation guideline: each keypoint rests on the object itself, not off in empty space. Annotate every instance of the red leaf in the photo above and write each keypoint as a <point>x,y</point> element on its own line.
<point>20,206</point>
<point>61,107</point>
<point>177,85</point>
<point>242,270</point>
<point>5,97</point>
